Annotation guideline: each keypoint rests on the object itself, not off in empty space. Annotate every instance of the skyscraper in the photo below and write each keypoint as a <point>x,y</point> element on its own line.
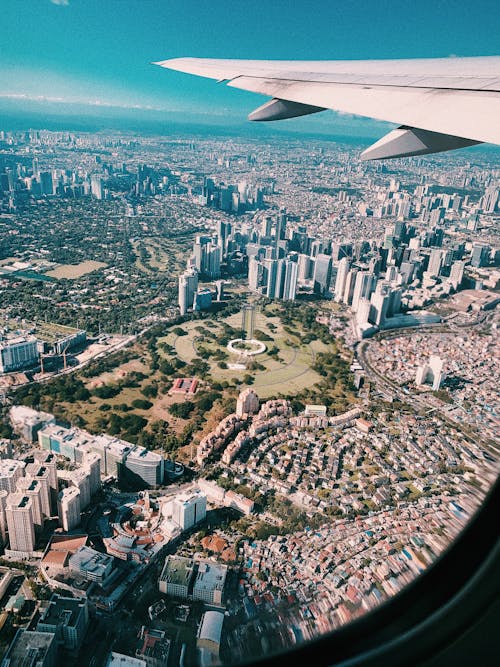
<point>291,275</point>
<point>68,508</point>
<point>457,273</point>
<point>342,271</point>
<point>20,523</point>
<point>322,273</point>
<point>435,262</point>
<point>188,284</point>
<point>33,489</point>
<point>363,288</point>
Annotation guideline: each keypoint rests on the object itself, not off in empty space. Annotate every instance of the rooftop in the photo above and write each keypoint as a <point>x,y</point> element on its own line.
<point>28,648</point>
<point>177,570</point>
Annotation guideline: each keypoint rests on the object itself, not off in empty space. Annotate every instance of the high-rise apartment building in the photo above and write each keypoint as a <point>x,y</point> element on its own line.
<point>68,508</point>
<point>19,513</point>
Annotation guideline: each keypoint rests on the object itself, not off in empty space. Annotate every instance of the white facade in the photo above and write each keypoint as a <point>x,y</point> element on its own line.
<point>18,353</point>
<point>247,403</point>
<point>20,523</point>
<point>68,508</point>
<point>189,509</point>
<point>10,471</point>
<point>32,488</point>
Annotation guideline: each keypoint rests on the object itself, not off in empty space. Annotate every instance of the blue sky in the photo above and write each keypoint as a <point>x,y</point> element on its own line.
<point>99,51</point>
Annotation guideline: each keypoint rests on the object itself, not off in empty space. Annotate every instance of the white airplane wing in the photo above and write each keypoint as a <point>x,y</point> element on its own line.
<point>440,104</point>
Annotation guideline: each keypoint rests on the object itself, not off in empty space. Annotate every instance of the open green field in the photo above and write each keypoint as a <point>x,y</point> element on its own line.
<point>287,372</point>
<point>72,271</point>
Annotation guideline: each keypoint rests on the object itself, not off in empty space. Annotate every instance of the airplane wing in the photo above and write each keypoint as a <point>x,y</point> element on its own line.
<point>440,104</point>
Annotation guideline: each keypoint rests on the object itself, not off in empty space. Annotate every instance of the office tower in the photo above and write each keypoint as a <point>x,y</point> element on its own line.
<point>480,255</point>
<point>247,403</point>
<point>280,278</point>
<point>363,288</point>
<point>203,299</point>
<point>304,268</point>
<point>188,284</point>
<point>35,167</point>
<point>146,466</point>
<point>435,262</point>
<point>92,463</point>
<point>68,508</point>
<point>322,273</point>
<point>20,523</point>
<point>46,183</point>
<point>349,286</point>
<point>340,281</point>
<point>210,261</point>
<point>33,489</point>
<point>363,312</point>
<point>266,226</point>
<point>490,200</point>
<point>291,276</point>
<point>67,618</point>
<point>10,471</point>
<point>457,273</point>
<point>96,186</point>
<point>380,301</point>
<point>40,472</point>
<point>269,274</point>
<point>255,270</point>
<point>188,509</point>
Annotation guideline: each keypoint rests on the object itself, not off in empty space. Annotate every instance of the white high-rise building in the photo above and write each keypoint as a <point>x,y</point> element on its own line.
<point>40,472</point>
<point>349,286</point>
<point>435,262</point>
<point>20,523</point>
<point>80,479</point>
<point>188,285</point>
<point>457,273</point>
<point>291,276</point>
<point>18,353</point>
<point>48,460</point>
<point>342,271</point>
<point>33,488</point>
<point>10,471</point>
<point>305,268</point>
<point>363,288</point>
<point>92,463</point>
<point>68,508</point>
<point>255,269</point>
<point>189,509</point>
<point>247,403</point>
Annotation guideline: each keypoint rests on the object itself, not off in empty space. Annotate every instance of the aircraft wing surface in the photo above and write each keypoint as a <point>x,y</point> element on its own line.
<point>439,104</point>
